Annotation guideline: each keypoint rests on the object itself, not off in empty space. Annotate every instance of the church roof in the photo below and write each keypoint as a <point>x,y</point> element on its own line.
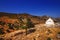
<point>49,22</point>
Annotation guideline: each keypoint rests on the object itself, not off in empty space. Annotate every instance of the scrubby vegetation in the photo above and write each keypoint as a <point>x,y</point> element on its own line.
<point>1,31</point>
<point>12,23</point>
<point>26,23</point>
<point>2,23</point>
<point>23,23</point>
<point>48,38</point>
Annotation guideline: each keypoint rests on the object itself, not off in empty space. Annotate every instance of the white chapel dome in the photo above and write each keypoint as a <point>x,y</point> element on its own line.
<point>49,22</point>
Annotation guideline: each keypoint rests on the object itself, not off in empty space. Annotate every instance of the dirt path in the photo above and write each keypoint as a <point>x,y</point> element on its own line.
<point>12,34</point>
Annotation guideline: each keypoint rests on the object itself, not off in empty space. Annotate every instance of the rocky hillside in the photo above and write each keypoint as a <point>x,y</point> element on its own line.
<point>12,25</point>
<point>34,19</point>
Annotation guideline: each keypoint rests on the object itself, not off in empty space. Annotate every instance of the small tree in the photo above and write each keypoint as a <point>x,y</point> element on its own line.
<point>25,23</point>
<point>28,24</point>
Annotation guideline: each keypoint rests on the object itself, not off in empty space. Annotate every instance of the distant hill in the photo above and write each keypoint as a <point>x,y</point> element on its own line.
<point>35,19</point>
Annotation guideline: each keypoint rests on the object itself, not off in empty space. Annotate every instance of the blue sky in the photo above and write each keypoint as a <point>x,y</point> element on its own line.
<point>34,7</point>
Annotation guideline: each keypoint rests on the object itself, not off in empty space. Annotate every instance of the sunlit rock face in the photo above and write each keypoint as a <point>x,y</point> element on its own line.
<point>49,22</point>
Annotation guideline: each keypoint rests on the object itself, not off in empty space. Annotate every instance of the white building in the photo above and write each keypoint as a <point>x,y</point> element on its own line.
<point>49,23</point>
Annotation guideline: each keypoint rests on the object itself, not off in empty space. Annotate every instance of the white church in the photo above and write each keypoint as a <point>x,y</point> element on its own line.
<point>49,23</point>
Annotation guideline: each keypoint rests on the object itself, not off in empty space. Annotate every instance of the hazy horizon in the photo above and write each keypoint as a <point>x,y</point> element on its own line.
<point>33,7</point>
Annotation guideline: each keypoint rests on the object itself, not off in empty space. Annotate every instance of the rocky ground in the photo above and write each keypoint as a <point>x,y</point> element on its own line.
<point>41,33</point>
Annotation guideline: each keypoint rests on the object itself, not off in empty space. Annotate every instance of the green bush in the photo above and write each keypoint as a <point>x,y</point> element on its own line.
<point>1,31</point>
<point>2,23</point>
<point>58,32</point>
<point>8,31</point>
<point>17,27</point>
<point>48,38</point>
<point>23,27</point>
<point>11,26</point>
